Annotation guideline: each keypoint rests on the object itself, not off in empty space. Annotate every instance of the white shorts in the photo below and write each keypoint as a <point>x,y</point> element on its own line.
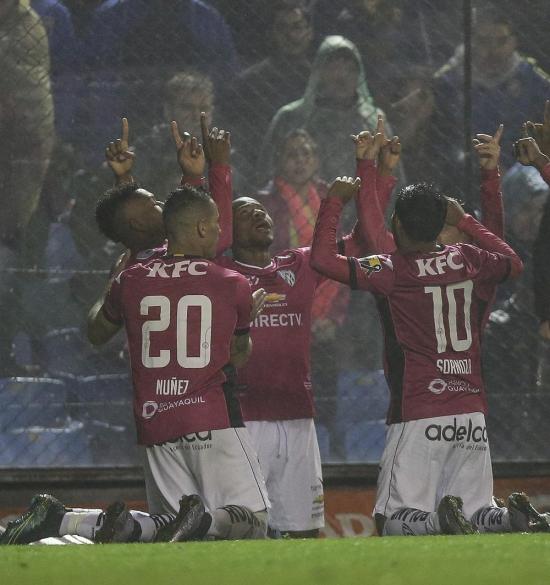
<point>426,459</point>
<point>221,466</point>
<point>291,464</point>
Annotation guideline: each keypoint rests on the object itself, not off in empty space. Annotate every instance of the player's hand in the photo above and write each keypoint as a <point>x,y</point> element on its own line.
<point>541,132</point>
<point>216,143</point>
<point>389,156</point>
<point>488,149</point>
<point>528,153</point>
<point>118,155</point>
<point>544,329</point>
<point>258,302</point>
<point>454,212</point>
<point>367,144</point>
<point>345,188</point>
<point>190,153</point>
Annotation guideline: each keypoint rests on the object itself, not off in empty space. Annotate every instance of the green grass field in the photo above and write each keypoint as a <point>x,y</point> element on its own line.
<point>518,559</point>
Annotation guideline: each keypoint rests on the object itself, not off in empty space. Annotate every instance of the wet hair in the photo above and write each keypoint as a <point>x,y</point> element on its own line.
<point>181,202</point>
<point>421,209</point>
<point>108,211</point>
<point>186,82</point>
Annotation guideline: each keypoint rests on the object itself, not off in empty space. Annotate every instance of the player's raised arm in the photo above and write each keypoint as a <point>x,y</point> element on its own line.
<point>324,250</point>
<point>528,153</point>
<point>541,131</point>
<point>375,189</point>
<point>119,156</point>
<point>217,148</point>
<point>482,236</point>
<point>492,211</point>
<point>190,156</point>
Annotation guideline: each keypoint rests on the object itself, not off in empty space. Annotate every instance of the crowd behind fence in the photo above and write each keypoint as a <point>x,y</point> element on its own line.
<point>291,80</point>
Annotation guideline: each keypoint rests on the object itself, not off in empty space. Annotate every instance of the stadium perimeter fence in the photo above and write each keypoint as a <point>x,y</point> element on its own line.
<point>69,76</point>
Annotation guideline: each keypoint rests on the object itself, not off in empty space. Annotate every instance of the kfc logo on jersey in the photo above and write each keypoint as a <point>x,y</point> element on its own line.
<point>437,264</point>
<point>162,270</point>
<point>288,276</point>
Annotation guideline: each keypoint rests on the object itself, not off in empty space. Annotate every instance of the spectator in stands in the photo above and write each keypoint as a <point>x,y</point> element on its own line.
<point>27,130</point>
<point>128,50</point>
<point>57,21</point>
<point>388,43</point>
<point>505,86</point>
<point>336,103</point>
<point>186,95</point>
<point>279,79</point>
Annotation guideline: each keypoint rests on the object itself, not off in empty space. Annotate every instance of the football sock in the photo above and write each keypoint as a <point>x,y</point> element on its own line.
<point>411,522</point>
<point>81,522</point>
<point>237,522</point>
<point>491,519</point>
<point>149,525</point>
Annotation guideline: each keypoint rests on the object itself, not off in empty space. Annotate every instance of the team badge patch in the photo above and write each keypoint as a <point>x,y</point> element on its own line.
<point>288,276</point>
<point>371,264</point>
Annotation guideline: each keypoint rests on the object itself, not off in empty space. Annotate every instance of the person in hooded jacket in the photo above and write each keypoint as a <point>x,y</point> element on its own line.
<point>336,103</point>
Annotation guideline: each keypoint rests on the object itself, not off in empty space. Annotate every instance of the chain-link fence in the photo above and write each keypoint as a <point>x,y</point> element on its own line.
<point>264,70</point>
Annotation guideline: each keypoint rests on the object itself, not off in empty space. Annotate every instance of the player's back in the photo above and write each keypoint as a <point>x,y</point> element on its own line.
<point>432,308</point>
<point>180,315</point>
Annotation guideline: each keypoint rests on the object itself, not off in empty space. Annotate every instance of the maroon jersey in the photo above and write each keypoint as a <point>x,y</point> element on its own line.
<point>275,383</point>
<point>180,314</point>
<point>432,308</point>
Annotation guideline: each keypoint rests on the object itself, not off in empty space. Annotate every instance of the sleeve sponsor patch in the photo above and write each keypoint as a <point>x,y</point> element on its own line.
<point>373,264</point>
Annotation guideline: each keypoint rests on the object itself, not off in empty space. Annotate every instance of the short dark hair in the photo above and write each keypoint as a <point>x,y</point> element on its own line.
<point>421,209</point>
<point>274,7</point>
<point>109,208</point>
<point>183,199</point>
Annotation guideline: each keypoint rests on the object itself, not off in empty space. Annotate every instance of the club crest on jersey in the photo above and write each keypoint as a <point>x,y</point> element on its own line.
<point>288,276</point>
<point>371,264</point>
<point>253,280</point>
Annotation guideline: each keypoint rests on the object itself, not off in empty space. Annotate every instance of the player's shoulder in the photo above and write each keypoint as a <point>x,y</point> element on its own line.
<point>292,256</point>
<point>145,255</point>
<point>227,270</point>
<point>135,270</point>
<point>469,251</point>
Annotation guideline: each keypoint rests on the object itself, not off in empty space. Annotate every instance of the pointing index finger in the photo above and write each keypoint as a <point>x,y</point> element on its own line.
<point>176,134</point>
<point>498,134</point>
<point>125,130</point>
<point>204,128</point>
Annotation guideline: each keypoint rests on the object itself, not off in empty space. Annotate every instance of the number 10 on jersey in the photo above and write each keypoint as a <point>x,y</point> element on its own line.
<point>450,319</point>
